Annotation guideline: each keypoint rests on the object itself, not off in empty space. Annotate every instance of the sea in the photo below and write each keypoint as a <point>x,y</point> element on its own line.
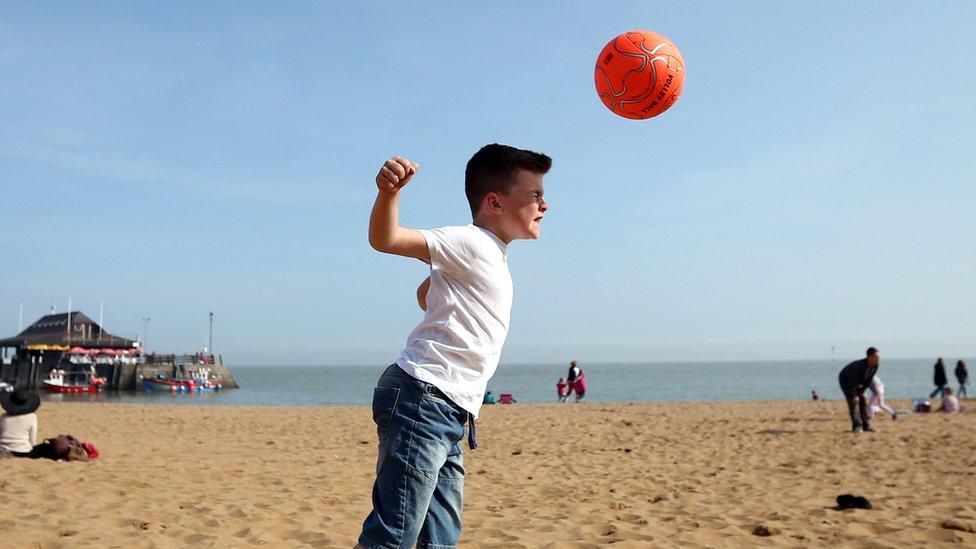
<point>269,385</point>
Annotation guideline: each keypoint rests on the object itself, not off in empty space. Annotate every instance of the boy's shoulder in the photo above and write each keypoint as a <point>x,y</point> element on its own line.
<point>470,228</point>
<point>470,234</point>
<point>453,228</point>
<point>466,249</point>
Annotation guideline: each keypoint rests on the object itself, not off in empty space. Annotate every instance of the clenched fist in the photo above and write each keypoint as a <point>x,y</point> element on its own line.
<point>395,173</point>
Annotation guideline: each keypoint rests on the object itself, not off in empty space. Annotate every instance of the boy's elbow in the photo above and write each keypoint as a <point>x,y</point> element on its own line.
<point>379,244</point>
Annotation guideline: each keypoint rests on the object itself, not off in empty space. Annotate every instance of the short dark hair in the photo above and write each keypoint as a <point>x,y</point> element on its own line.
<point>492,170</point>
<point>872,351</point>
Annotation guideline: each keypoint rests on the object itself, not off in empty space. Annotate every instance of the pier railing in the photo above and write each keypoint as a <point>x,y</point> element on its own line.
<point>173,360</point>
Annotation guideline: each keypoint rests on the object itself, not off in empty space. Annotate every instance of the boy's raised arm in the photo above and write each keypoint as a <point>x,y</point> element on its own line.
<point>385,233</point>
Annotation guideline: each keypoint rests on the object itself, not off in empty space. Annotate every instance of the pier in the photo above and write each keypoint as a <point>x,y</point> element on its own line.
<point>72,341</point>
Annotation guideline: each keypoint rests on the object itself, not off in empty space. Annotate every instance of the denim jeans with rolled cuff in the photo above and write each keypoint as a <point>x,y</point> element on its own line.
<point>419,484</point>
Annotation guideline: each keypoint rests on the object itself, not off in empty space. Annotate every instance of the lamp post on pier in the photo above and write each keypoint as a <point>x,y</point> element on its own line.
<point>145,334</point>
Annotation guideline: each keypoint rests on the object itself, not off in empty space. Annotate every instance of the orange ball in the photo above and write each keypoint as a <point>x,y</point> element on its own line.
<point>639,74</point>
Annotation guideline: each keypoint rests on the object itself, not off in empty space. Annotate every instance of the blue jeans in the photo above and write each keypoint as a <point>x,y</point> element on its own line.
<point>420,470</point>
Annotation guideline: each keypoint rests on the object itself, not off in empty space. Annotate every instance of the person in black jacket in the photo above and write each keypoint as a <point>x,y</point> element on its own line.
<point>573,376</point>
<point>940,379</point>
<point>854,379</point>
<point>963,376</point>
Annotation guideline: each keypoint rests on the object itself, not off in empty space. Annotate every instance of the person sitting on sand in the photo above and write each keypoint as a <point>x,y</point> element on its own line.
<point>562,389</point>
<point>814,396</point>
<point>877,402</point>
<point>950,403</point>
<point>18,427</point>
<point>854,380</point>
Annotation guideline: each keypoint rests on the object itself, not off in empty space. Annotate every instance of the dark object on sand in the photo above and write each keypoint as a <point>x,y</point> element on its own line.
<point>953,524</point>
<point>850,501</point>
<point>69,448</point>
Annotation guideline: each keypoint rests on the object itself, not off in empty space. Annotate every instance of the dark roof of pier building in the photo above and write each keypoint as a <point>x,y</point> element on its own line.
<point>53,330</point>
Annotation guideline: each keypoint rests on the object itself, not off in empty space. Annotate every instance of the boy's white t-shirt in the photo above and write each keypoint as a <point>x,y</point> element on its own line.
<point>457,345</point>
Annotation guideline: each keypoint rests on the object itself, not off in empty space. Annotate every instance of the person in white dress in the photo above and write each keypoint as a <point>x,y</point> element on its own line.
<point>877,402</point>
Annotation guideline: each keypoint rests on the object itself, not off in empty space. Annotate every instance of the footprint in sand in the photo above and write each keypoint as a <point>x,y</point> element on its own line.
<point>198,539</point>
<point>310,537</point>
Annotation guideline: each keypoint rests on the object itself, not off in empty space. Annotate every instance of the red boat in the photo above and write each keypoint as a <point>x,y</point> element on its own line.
<point>193,385</point>
<point>56,384</point>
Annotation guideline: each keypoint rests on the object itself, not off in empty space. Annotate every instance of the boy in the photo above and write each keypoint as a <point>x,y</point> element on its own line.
<point>422,401</point>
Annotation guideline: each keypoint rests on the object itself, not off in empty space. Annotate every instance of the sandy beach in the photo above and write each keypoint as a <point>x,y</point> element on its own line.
<point>560,475</point>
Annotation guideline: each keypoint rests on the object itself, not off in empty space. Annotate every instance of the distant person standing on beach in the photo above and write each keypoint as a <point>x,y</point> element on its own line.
<point>580,385</point>
<point>962,375</point>
<point>577,380</point>
<point>573,375</point>
<point>574,372</point>
<point>855,379</point>
<point>940,378</point>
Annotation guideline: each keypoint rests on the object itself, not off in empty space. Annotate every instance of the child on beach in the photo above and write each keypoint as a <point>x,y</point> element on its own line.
<point>950,403</point>
<point>562,389</point>
<point>877,402</point>
<point>423,400</point>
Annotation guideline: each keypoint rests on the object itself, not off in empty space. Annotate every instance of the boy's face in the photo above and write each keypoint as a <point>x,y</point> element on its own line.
<point>522,208</point>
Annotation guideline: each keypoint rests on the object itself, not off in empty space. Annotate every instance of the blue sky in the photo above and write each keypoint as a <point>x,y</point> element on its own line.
<point>813,187</point>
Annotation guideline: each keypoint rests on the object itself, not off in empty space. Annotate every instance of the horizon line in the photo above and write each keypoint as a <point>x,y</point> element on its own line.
<point>612,363</point>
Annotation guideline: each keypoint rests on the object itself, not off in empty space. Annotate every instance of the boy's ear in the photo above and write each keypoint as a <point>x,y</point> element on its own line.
<point>492,202</point>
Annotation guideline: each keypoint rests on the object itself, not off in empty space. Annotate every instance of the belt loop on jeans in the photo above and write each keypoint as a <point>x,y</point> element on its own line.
<point>472,437</point>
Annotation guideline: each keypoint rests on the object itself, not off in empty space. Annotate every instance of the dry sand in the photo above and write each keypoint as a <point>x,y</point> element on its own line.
<point>560,475</point>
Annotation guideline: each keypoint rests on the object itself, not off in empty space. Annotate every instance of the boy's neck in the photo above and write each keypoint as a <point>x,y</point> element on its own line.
<point>487,224</point>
